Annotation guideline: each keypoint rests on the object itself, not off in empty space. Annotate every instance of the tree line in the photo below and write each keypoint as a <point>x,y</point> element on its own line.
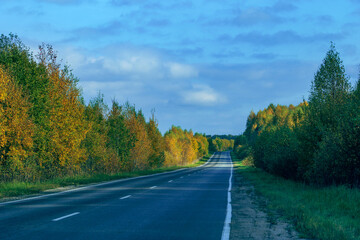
<point>218,144</point>
<point>222,136</point>
<point>318,141</point>
<point>47,130</point>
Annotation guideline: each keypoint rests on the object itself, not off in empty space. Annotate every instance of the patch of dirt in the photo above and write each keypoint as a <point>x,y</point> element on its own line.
<point>249,221</point>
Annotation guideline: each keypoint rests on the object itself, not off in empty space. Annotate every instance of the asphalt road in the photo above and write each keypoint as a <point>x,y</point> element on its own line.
<point>184,204</point>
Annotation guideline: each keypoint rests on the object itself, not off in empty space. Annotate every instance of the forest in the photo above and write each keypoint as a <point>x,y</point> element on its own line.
<point>47,130</point>
<point>316,142</point>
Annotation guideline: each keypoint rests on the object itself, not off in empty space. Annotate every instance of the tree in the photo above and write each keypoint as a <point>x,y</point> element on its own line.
<point>325,114</point>
<point>47,131</point>
<point>172,149</point>
<point>157,156</point>
<point>119,136</point>
<point>96,138</point>
<point>203,144</point>
<point>330,83</point>
<point>67,127</point>
<point>32,77</point>
<point>249,131</point>
<point>16,132</point>
<point>140,152</point>
<point>20,64</point>
<point>183,147</point>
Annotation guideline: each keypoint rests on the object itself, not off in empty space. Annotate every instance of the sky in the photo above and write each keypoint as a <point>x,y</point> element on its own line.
<point>200,64</point>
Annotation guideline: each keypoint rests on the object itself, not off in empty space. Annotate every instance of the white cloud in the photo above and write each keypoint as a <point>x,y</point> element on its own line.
<point>202,95</point>
<point>178,70</point>
<point>78,58</point>
<point>145,63</point>
<point>128,62</point>
<point>135,62</point>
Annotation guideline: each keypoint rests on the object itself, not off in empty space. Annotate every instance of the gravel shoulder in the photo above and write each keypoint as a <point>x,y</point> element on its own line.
<point>250,220</point>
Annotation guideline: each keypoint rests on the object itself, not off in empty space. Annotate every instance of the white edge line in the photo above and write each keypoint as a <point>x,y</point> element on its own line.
<point>170,181</point>
<point>95,185</point>
<point>226,230</point>
<point>61,218</point>
<point>153,187</point>
<point>125,197</point>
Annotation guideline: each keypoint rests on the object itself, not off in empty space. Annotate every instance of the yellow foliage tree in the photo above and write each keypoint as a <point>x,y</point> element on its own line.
<point>190,147</point>
<point>172,150</point>
<point>67,123</point>
<point>141,150</point>
<point>182,147</point>
<point>16,130</point>
<point>203,145</point>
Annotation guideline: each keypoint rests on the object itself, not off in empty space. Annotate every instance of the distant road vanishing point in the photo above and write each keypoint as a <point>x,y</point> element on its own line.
<point>183,204</point>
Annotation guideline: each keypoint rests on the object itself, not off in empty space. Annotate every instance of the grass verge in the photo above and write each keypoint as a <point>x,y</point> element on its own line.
<point>15,189</point>
<point>331,213</point>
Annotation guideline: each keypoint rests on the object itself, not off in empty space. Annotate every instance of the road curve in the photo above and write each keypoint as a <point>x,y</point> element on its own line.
<point>185,204</point>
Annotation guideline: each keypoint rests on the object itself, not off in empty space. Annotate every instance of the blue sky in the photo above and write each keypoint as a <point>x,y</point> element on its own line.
<point>201,64</point>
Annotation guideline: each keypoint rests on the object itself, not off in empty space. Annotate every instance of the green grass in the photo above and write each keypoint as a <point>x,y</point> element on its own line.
<point>317,212</point>
<point>17,189</point>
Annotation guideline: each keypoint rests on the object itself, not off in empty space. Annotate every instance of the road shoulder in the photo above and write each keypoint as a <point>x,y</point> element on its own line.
<point>249,218</point>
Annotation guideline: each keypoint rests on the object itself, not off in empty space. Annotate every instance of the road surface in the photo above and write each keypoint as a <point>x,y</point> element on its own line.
<point>184,204</point>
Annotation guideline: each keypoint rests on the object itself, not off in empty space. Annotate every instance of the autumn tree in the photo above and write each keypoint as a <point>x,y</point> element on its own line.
<point>203,145</point>
<point>189,147</point>
<point>136,124</point>
<point>66,122</point>
<point>317,141</point>
<point>183,147</point>
<point>16,132</point>
<point>47,131</point>
<point>272,140</point>
<point>21,65</point>
<point>172,148</point>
